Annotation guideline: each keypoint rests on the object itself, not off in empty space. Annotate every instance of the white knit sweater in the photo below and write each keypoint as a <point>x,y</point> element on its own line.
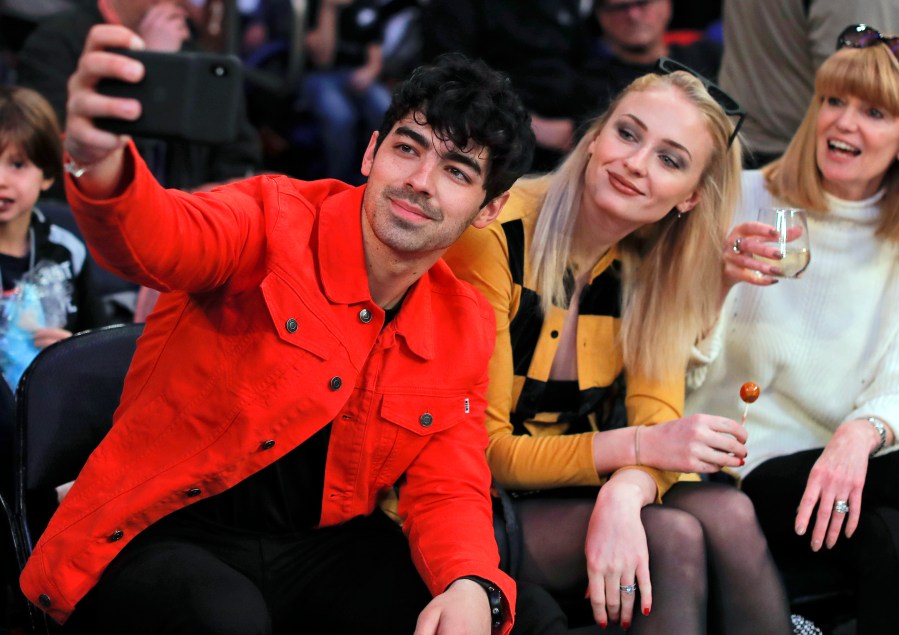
<point>823,348</point>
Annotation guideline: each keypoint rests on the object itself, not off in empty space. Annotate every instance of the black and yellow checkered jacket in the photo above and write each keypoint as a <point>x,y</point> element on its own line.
<point>530,449</point>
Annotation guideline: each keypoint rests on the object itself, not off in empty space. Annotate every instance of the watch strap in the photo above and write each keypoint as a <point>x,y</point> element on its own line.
<point>494,597</point>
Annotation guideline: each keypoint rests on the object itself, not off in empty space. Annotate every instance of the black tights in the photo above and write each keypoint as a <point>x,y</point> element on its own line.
<point>709,563</point>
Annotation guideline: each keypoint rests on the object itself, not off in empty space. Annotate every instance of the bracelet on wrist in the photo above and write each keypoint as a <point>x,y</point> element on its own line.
<point>495,599</point>
<point>881,430</point>
<point>637,445</point>
<point>75,169</point>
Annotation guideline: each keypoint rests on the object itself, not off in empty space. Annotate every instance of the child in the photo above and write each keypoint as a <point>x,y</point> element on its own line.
<point>42,266</point>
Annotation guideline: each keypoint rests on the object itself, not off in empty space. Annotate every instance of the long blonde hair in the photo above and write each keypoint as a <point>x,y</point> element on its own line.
<point>671,268</point>
<point>870,74</point>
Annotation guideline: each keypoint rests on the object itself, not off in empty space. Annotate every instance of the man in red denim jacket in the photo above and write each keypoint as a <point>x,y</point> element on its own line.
<point>310,352</point>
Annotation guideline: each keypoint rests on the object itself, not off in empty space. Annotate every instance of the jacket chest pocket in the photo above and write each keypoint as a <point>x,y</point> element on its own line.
<point>294,319</point>
<point>423,415</point>
<point>407,424</point>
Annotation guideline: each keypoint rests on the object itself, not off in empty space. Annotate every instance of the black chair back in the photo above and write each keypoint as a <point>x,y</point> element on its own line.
<point>7,436</point>
<point>65,403</point>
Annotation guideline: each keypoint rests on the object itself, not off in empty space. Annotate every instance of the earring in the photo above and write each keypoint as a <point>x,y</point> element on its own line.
<point>680,215</point>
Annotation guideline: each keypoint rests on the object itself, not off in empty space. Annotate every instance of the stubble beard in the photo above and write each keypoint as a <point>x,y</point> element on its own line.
<point>407,236</point>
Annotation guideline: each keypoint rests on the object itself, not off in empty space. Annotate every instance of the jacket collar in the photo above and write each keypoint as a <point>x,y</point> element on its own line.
<point>341,259</point>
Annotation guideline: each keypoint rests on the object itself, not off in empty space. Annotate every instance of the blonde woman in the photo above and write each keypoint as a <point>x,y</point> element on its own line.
<point>824,349</point>
<point>602,275</point>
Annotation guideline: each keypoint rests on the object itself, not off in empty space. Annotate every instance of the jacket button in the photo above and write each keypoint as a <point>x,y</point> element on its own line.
<point>193,491</point>
<point>117,535</point>
<point>426,419</point>
<point>365,316</point>
<point>291,325</point>
<point>268,445</point>
<point>44,599</point>
<point>336,383</point>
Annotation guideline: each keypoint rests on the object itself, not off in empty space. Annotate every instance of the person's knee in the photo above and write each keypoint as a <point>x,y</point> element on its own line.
<point>674,533</point>
<point>736,506</point>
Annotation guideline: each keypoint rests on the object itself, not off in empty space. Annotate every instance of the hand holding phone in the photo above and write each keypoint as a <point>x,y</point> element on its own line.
<point>87,146</point>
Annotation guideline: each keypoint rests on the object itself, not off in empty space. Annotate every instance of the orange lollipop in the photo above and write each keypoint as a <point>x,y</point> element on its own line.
<point>749,392</point>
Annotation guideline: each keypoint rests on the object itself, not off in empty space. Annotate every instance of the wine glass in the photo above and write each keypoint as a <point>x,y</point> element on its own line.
<point>791,240</point>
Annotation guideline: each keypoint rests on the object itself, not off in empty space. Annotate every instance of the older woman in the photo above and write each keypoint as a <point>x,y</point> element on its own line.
<point>824,349</point>
<point>602,274</point>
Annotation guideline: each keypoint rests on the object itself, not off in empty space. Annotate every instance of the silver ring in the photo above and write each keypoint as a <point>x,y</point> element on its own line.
<point>736,246</point>
<point>841,507</point>
<point>628,588</point>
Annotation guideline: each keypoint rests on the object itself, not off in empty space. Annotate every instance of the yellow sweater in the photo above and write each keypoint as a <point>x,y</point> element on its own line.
<point>544,450</point>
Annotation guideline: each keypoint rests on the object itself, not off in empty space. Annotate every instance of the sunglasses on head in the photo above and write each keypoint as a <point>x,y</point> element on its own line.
<point>730,106</point>
<point>861,36</point>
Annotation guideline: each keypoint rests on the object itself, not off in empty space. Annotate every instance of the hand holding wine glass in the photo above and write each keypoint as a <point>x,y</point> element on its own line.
<point>790,239</point>
<point>762,252</point>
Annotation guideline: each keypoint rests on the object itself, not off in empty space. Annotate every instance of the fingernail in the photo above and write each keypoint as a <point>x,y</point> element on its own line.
<point>800,530</point>
<point>645,611</point>
<point>625,625</point>
<point>775,281</point>
<point>603,624</point>
<point>133,71</point>
<point>742,462</point>
<point>816,545</point>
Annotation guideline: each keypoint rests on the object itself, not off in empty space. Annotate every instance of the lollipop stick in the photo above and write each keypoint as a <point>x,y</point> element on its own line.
<point>745,412</point>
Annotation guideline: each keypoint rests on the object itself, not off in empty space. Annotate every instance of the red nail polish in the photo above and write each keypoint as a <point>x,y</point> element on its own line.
<point>603,624</point>
<point>645,611</point>
<point>742,462</point>
<point>625,625</point>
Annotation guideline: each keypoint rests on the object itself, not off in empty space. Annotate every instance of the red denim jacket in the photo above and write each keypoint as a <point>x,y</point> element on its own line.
<point>260,338</point>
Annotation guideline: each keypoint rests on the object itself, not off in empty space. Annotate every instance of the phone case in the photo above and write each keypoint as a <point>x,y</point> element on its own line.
<point>188,96</point>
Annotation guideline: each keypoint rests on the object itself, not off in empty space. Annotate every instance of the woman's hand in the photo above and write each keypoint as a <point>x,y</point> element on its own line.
<point>838,475</point>
<point>744,241</point>
<point>616,550</point>
<point>698,443</point>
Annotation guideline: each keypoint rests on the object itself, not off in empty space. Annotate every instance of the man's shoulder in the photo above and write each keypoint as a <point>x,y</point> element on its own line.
<point>460,298</point>
<point>313,193</point>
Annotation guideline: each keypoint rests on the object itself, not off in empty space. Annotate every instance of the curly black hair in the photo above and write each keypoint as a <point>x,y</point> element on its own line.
<point>465,102</point>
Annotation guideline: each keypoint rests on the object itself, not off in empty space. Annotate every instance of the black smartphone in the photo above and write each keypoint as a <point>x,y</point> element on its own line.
<point>184,95</point>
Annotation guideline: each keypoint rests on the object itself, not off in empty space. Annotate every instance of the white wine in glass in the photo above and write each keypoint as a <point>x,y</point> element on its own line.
<point>791,241</point>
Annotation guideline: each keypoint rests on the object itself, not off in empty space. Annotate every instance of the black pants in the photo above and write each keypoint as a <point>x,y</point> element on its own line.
<point>179,578</point>
<point>869,560</point>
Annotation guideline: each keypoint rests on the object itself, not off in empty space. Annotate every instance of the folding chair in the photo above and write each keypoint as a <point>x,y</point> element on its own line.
<point>64,407</point>
<point>13,603</point>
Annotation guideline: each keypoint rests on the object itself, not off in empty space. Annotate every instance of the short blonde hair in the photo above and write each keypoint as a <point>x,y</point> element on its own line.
<point>672,268</point>
<point>870,74</point>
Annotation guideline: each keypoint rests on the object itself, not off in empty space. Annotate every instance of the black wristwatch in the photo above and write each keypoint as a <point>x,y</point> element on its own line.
<point>494,597</point>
